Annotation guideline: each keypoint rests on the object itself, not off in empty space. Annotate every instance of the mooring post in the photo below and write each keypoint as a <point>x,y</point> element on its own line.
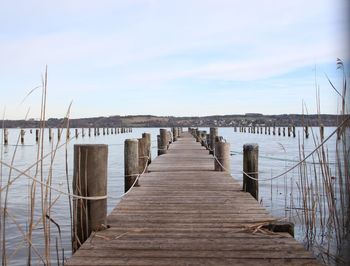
<point>131,162</point>
<point>284,131</point>
<point>203,137</point>
<point>89,131</point>
<point>89,180</point>
<point>104,131</point>
<point>163,141</point>
<point>293,131</point>
<point>58,133</point>
<point>6,136</point>
<point>22,136</point>
<point>213,133</point>
<point>37,135</point>
<point>250,168</point>
<point>143,156</point>
<point>147,137</point>
<point>222,156</point>
<point>321,132</point>
<point>306,132</point>
<point>175,133</point>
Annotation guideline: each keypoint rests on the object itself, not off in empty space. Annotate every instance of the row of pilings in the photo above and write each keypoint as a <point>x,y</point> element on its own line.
<point>78,132</point>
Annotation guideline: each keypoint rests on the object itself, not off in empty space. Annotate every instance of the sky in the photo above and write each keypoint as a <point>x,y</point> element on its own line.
<point>173,58</point>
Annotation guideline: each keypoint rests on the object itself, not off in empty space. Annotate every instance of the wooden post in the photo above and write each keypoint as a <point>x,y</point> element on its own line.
<point>293,131</point>
<point>22,132</point>
<point>163,144</point>
<point>107,130</point>
<point>89,180</point>
<point>250,167</point>
<point>37,135</point>
<point>321,132</point>
<point>82,132</point>
<point>147,137</point>
<point>284,131</point>
<point>50,134</point>
<point>89,131</point>
<point>68,133</point>
<point>289,130</point>
<point>76,133</point>
<point>306,132</point>
<point>203,137</point>
<point>175,133</point>
<point>143,156</point>
<point>59,133</point>
<point>6,136</point>
<point>131,162</point>
<point>269,130</point>
<point>213,133</point>
<point>222,154</point>
<point>104,131</point>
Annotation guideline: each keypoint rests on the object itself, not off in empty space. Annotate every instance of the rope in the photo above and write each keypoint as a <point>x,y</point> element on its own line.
<point>137,178</point>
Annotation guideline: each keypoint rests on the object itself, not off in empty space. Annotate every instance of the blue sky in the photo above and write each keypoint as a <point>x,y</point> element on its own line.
<point>171,57</point>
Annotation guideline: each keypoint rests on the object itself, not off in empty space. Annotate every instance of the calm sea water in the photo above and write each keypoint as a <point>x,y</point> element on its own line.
<point>276,154</point>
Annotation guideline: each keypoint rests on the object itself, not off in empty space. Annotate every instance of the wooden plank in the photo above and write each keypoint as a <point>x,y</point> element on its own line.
<point>185,213</point>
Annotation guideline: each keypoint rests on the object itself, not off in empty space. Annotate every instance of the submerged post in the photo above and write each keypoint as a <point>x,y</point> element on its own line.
<point>6,136</point>
<point>250,168</point>
<point>37,135</point>
<point>89,180</point>
<point>22,136</point>
<point>50,134</point>
<point>131,162</point>
<point>306,132</point>
<point>222,154</point>
<point>321,132</point>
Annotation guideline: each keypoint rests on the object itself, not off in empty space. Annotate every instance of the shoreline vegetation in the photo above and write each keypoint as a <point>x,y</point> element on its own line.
<point>251,119</point>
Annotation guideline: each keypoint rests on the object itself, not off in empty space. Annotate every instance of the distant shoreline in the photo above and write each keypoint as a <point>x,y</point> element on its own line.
<point>251,119</point>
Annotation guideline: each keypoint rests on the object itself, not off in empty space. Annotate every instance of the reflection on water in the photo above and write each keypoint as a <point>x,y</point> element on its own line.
<point>277,154</point>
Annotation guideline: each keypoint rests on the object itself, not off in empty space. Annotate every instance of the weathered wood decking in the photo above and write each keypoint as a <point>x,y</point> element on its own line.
<point>184,213</point>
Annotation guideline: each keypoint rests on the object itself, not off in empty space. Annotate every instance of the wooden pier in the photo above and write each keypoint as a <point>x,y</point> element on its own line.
<point>185,213</point>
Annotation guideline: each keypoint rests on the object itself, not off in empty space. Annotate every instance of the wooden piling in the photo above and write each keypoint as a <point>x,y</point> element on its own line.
<point>222,154</point>
<point>76,133</point>
<point>6,136</point>
<point>293,131</point>
<point>213,133</point>
<point>22,136</point>
<point>89,180</point>
<point>284,131</point>
<point>163,144</point>
<point>250,167</point>
<point>147,137</point>
<point>37,135</point>
<point>59,131</point>
<point>306,129</point>
<point>89,132</point>
<point>50,134</point>
<point>175,133</point>
<point>82,133</point>
<point>143,156</point>
<point>321,132</point>
<point>131,162</point>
